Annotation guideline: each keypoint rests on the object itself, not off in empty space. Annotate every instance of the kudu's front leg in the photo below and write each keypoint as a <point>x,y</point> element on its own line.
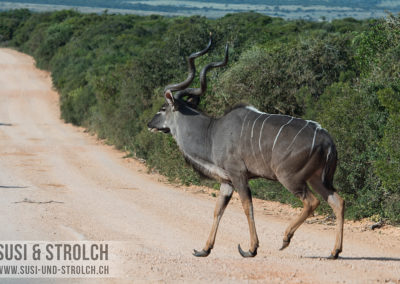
<point>247,203</point>
<point>225,194</point>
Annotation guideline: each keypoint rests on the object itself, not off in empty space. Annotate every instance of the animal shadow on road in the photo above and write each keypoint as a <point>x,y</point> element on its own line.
<point>5,124</point>
<point>372,258</point>
<point>12,186</point>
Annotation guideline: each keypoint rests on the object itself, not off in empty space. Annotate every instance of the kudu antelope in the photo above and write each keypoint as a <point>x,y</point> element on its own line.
<point>246,143</point>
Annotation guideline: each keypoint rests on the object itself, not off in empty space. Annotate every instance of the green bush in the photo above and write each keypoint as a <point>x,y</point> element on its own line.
<point>10,23</point>
<point>271,79</point>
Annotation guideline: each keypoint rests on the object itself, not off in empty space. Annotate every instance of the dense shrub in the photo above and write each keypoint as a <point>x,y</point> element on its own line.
<point>10,23</point>
<point>271,78</point>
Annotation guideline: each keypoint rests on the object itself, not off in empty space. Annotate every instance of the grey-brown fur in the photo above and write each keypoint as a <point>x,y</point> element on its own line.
<point>245,144</point>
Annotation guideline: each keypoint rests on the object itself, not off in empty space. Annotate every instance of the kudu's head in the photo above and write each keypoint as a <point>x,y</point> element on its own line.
<point>185,100</point>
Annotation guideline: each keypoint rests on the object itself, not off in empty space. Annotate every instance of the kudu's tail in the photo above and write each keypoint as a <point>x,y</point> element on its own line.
<point>330,167</point>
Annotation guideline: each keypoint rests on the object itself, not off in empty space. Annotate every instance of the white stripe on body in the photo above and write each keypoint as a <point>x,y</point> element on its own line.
<point>316,123</point>
<point>244,120</point>
<point>327,158</point>
<point>259,139</point>
<point>254,109</point>
<point>254,123</point>
<point>251,137</point>
<point>329,152</point>
<point>279,132</point>
<point>307,122</point>
<point>318,127</point>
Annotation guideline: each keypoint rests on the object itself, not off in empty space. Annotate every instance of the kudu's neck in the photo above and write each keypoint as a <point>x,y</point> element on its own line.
<point>192,133</point>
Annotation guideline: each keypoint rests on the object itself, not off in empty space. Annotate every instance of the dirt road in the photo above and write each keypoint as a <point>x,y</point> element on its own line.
<point>58,183</point>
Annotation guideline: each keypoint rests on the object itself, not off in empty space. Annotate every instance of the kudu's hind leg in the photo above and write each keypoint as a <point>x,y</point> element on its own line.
<point>310,203</point>
<point>225,194</point>
<point>337,204</point>
<point>247,203</point>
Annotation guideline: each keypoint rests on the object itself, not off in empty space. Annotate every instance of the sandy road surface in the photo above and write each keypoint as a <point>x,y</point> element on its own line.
<point>58,183</point>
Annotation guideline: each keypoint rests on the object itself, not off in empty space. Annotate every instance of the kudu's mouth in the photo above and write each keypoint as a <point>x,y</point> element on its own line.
<point>163,130</point>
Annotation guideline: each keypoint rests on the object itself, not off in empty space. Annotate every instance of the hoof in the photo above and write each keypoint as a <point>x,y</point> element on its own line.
<point>285,244</point>
<point>247,253</point>
<point>335,255</point>
<point>201,253</point>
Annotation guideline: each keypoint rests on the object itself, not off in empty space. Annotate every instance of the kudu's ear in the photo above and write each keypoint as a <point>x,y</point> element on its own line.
<point>170,100</point>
